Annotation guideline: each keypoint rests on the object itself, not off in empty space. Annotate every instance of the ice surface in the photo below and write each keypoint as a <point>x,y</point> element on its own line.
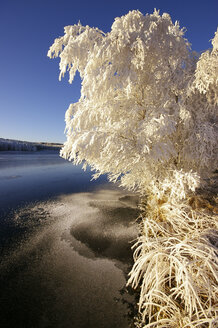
<point>69,268</point>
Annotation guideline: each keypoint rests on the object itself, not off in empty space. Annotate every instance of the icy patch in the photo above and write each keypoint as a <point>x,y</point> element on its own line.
<point>103,221</point>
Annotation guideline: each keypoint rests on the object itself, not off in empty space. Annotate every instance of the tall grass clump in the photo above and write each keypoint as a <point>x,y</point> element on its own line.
<point>176,264</point>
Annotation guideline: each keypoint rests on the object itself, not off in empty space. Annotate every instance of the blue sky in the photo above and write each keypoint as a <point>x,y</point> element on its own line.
<point>32,100</point>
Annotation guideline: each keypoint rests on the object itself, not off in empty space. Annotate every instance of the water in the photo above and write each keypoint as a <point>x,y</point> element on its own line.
<point>26,177</point>
<point>64,245</point>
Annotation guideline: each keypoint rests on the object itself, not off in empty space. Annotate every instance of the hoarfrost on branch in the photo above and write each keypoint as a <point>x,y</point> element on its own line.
<point>146,111</point>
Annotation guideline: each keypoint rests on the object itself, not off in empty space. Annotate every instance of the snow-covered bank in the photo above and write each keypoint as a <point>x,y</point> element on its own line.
<point>17,145</point>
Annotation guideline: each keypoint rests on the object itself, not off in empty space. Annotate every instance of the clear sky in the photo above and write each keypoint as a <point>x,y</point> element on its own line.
<point>32,100</point>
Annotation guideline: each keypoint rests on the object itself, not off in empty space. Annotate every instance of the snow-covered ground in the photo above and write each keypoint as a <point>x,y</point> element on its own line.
<point>10,144</point>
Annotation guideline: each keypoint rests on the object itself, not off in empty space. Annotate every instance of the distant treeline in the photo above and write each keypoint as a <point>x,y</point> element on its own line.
<point>16,145</point>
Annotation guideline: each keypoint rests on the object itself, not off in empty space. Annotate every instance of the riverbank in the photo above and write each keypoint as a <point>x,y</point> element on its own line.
<point>18,145</point>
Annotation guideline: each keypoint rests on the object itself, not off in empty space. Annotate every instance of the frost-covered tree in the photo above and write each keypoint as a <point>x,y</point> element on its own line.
<point>146,117</point>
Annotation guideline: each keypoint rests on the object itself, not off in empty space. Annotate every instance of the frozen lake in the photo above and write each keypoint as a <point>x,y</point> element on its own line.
<point>64,245</point>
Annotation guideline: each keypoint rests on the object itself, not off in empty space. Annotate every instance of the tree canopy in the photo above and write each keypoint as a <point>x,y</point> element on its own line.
<point>146,111</point>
